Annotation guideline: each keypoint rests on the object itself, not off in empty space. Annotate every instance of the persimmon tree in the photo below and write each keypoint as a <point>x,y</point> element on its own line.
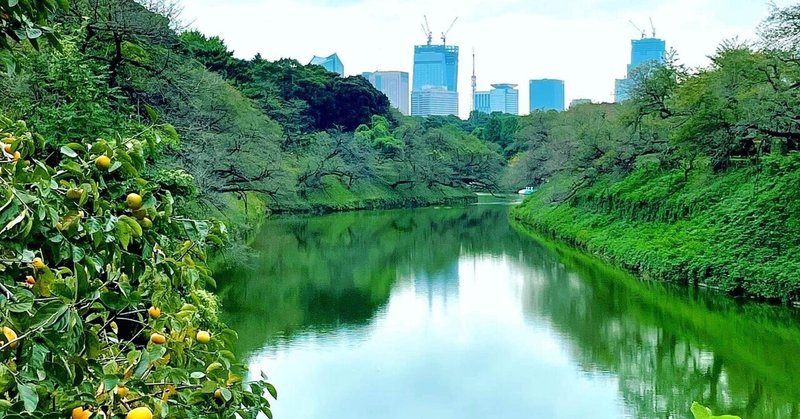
<point>103,305</point>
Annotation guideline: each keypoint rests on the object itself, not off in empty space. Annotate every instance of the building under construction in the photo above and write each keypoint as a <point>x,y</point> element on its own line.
<point>434,88</point>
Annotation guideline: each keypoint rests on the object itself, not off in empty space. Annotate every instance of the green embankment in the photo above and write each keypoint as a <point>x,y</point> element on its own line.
<point>334,196</point>
<point>738,231</point>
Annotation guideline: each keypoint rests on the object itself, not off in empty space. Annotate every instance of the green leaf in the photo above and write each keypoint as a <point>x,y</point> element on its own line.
<point>68,152</point>
<point>15,221</point>
<point>48,314</point>
<point>151,113</point>
<point>123,234</point>
<point>272,391</point>
<point>226,394</point>
<point>135,228</point>
<point>21,301</point>
<point>29,396</point>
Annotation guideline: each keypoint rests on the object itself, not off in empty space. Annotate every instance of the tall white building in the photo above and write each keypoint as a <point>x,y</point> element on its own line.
<point>434,101</point>
<point>394,84</point>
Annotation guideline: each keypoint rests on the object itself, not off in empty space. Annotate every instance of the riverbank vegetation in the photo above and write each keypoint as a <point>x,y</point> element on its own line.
<point>694,180</point>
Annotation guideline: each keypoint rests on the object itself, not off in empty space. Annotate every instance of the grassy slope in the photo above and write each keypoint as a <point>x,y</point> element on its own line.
<point>335,196</point>
<point>738,231</point>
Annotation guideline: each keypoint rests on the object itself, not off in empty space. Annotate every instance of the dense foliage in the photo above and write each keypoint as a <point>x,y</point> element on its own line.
<point>693,180</point>
<point>103,303</point>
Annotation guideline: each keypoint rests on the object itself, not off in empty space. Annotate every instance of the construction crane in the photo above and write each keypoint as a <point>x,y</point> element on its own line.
<point>644,33</point>
<point>653,27</point>
<point>427,28</point>
<point>444,34</point>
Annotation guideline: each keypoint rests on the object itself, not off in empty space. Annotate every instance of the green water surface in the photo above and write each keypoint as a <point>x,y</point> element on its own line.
<point>453,313</point>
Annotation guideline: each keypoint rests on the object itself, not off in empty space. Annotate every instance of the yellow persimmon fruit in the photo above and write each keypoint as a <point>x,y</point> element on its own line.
<point>203,336</point>
<point>140,413</point>
<point>134,201</point>
<point>17,155</point>
<point>121,391</point>
<point>102,162</point>
<point>7,148</point>
<point>11,336</point>
<point>146,223</point>
<point>140,213</point>
<point>80,413</point>
<point>158,339</point>
<point>154,312</point>
<point>75,194</point>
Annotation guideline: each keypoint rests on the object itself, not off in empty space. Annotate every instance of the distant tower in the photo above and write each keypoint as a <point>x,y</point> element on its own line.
<point>474,80</point>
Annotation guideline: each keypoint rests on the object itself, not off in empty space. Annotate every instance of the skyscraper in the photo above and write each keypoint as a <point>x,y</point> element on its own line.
<point>331,63</point>
<point>435,70</point>
<point>647,50</point>
<point>643,52</point>
<point>503,97</point>
<point>547,95</point>
<point>394,84</point>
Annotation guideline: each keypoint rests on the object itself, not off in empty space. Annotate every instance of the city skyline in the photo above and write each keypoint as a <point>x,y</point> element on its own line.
<point>560,41</point>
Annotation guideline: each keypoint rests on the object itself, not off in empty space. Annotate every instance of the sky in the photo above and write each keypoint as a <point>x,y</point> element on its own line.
<point>584,42</point>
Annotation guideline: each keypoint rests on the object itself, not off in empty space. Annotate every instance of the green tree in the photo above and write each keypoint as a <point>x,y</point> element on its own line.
<point>87,247</point>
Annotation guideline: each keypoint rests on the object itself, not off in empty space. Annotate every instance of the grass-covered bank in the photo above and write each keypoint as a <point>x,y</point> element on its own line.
<point>738,230</point>
<point>747,339</point>
<point>334,196</point>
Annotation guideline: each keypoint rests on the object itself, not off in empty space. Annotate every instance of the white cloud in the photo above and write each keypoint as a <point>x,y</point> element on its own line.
<point>584,42</point>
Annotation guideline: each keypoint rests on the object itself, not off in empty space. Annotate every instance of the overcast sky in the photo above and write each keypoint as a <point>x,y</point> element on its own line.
<point>584,42</point>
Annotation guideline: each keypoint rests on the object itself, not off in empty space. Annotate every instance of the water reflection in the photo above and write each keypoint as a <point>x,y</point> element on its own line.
<point>450,313</point>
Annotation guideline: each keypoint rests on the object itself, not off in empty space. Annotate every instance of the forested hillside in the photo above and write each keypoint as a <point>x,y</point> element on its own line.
<point>694,180</point>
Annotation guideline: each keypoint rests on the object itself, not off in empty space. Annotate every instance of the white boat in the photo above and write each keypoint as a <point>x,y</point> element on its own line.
<point>527,191</point>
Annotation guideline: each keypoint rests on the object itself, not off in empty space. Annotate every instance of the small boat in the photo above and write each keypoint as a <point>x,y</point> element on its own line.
<point>527,191</point>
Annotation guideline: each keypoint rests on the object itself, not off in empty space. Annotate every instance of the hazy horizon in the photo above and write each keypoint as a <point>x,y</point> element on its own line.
<point>585,43</point>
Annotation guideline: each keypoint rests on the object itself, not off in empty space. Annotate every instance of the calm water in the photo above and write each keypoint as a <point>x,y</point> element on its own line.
<point>452,313</point>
